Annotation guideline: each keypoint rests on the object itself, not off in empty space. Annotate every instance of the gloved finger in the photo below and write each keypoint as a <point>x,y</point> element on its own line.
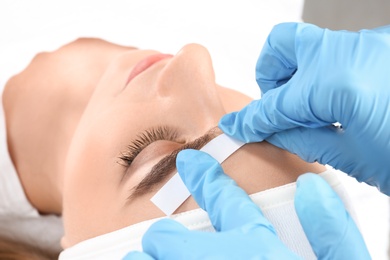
<point>227,205</point>
<point>161,234</point>
<point>271,114</point>
<point>159,239</point>
<point>277,61</point>
<point>329,228</point>
<point>323,144</point>
<point>136,255</point>
<point>332,145</point>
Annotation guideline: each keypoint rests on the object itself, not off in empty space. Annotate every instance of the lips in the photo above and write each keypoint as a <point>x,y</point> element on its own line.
<point>146,63</point>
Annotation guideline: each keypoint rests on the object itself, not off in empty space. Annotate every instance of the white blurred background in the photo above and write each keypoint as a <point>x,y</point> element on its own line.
<point>233,31</point>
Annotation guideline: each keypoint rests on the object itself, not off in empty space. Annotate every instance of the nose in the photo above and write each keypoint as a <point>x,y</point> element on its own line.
<point>191,66</point>
<point>188,80</point>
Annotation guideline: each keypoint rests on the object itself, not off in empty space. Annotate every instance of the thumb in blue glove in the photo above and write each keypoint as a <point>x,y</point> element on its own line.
<point>329,228</point>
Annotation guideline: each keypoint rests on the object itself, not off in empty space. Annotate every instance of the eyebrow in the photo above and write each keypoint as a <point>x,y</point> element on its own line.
<point>165,167</point>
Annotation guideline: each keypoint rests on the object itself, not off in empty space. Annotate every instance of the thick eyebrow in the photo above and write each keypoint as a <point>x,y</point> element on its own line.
<point>167,165</point>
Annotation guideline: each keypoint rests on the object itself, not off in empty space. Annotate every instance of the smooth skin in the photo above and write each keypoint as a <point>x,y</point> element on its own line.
<point>72,113</point>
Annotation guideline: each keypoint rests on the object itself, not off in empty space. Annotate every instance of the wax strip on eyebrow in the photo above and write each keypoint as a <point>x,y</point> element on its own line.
<point>174,192</point>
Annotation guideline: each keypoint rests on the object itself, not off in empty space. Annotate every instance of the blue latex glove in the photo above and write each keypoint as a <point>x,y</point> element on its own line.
<point>331,231</point>
<point>242,230</point>
<point>312,77</point>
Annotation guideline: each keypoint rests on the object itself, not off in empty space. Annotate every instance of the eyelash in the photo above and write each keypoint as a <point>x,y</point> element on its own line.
<point>146,138</point>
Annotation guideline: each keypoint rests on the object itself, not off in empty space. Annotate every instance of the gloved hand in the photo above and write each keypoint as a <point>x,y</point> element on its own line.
<point>311,78</point>
<point>242,230</point>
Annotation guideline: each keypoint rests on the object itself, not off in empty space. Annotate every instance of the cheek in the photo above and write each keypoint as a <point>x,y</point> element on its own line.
<point>89,200</point>
<point>138,210</point>
<point>96,197</point>
<point>90,190</point>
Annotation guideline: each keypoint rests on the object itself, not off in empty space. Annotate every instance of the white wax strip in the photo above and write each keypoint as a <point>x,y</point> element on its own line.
<point>174,192</point>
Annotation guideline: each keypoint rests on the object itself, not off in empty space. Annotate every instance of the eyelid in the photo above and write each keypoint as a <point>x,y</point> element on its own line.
<point>166,165</point>
<point>146,138</point>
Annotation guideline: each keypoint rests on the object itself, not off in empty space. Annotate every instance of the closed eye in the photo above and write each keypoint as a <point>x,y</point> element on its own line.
<point>146,138</point>
<point>164,168</point>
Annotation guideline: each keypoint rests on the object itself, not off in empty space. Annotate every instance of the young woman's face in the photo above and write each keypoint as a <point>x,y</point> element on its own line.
<point>175,100</point>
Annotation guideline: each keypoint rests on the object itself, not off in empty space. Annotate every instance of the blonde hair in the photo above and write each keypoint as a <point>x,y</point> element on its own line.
<point>11,250</point>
